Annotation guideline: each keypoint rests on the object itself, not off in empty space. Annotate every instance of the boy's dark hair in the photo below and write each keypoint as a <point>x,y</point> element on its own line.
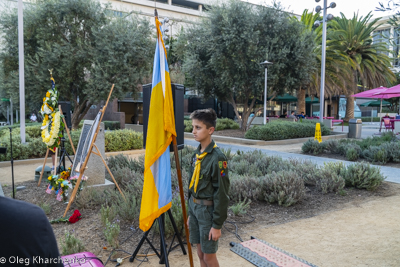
<point>206,116</point>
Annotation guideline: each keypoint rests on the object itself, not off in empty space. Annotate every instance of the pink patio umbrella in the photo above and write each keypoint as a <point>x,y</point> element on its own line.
<point>389,93</point>
<point>380,93</point>
<point>394,90</point>
<point>371,93</point>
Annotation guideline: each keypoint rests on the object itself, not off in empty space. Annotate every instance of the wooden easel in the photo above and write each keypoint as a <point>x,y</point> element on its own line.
<point>47,152</point>
<point>83,167</point>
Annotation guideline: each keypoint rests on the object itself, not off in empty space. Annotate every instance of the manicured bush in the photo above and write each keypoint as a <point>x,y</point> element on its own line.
<point>285,187</point>
<point>222,124</point>
<point>376,140</point>
<point>353,151</point>
<point>277,130</point>
<point>188,126</point>
<point>33,148</point>
<point>306,169</point>
<point>121,140</point>
<point>329,178</point>
<point>226,123</point>
<point>118,140</point>
<point>313,147</point>
<point>376,154</point>
<point>245,186</point>
<point>112,125</point>
<point>363,176</point>
<point>75,135</point>
<point>368,119</point>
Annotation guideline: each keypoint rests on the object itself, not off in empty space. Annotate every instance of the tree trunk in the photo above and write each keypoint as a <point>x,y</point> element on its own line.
<point>246,112</point>
<point>349,107</point>
<point>301,100</point>
<point>80,111</point>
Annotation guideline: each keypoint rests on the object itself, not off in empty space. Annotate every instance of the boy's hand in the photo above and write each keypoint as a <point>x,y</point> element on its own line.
<point>187,222</point>
<point>214,234</point>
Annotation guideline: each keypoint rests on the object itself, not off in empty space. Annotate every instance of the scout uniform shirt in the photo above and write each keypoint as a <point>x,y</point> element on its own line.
<point>213,183</point>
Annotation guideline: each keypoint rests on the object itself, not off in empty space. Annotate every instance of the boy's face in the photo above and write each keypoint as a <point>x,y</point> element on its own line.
<point>200,131</point>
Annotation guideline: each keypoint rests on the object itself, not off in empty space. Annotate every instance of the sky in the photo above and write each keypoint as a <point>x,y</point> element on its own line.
<point>347,7</point>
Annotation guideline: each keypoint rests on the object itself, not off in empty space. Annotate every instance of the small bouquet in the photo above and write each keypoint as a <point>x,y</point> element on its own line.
<point>59,184</point>
<point>76,216</point>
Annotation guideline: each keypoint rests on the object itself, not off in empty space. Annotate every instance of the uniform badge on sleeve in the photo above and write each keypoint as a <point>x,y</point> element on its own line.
<point>222,167</point>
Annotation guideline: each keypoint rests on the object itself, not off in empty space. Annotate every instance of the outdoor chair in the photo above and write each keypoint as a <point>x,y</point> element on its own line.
<point>388,125</point>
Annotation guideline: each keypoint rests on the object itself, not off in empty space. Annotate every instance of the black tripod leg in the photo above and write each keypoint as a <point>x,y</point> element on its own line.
<point>132,258</point>
<point>171,218</point>
<point>68,157</point>
<point>162,239</point>
<point>62,160</point>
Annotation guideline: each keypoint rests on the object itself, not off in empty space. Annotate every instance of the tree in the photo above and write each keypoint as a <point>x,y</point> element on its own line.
<point>223,54</point>
<point>368,63</point>
<point>336,65</point>
<point>87,49</point>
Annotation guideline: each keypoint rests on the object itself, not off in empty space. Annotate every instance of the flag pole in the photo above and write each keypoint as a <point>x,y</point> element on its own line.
<point>178,171</point>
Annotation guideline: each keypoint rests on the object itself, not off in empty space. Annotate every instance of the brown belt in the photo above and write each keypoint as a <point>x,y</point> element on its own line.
<point>203,202</point>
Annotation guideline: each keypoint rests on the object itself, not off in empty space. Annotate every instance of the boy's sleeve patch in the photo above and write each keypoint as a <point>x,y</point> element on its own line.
<point>225,164</point>
<point>220,164</point>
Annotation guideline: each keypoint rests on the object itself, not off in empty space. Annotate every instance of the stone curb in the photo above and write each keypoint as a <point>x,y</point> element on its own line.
<point>242,141</point>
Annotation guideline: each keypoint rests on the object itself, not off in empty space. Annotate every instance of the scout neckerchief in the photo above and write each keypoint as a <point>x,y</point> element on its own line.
<point>196,172</point>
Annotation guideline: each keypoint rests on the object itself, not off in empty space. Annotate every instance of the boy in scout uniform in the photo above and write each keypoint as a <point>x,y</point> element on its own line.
<point>208,189</point>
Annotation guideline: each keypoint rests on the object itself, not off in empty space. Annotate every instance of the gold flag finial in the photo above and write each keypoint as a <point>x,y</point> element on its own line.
<point>51,72</point>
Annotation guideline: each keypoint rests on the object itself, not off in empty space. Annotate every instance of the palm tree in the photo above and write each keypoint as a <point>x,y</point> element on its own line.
<point>368,65</point>
<point>336,71</point>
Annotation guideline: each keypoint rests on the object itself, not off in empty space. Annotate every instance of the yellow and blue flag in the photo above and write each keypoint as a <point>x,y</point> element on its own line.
<point>157,195</point>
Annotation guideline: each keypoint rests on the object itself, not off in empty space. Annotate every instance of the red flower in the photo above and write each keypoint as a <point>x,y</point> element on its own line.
<point>75,217</point>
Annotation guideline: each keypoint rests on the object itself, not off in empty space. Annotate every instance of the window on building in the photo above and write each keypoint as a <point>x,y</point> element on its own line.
<point>396,47</point>
<point>382,36</point>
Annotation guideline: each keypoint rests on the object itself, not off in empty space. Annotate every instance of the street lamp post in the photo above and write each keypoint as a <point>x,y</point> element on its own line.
<point>325,19</point>
<point>265,65</point>
<point>21,70</point>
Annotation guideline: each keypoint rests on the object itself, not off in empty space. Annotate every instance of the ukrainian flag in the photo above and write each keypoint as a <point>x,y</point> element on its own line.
<point>157,195</point>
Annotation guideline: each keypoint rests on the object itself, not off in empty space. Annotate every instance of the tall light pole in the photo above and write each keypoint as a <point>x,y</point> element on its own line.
<point>325,19</point>
<point>21,70</point>
<point>265,65</point>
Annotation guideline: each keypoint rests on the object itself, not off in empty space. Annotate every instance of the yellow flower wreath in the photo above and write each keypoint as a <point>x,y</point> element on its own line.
<point>50,137</point>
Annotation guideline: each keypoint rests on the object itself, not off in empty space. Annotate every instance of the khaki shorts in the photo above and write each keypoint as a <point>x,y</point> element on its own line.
<point>200,223</point>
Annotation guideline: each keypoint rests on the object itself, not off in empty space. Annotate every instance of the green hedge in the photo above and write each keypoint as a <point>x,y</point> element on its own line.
<point>118,140</point>
<point>112,125</point>
<point>279,130</point>
<point>121,140</point>
<point>368,119</point>
<point>222,124</point>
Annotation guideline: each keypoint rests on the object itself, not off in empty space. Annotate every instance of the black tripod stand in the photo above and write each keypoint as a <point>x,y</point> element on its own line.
<point>63,153</point>
<point>163,249</point>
